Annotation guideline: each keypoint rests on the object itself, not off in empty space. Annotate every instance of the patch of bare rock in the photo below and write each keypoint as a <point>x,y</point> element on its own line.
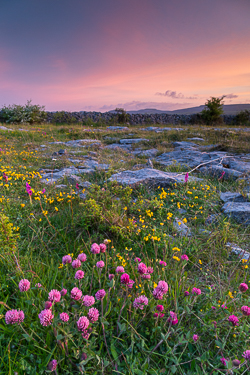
<point>149,176</point>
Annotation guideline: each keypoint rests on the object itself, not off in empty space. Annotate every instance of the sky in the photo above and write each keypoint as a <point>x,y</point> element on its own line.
<point>97,55</point>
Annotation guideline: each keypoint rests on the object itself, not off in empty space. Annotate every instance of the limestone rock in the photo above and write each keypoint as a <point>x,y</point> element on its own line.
<point>217,171</point>
<point>232,197</point>
<point>196,139</point>
<point>148,176</point>
<point>184,144</point>
<point>117,128</point>
<point>132,140</point>
<point>181,228</point>
<point>243,254</point>
<point>239,211</point>
<point>149,153</point>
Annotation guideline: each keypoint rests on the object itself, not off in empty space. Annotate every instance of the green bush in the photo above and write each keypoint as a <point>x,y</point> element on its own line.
<point>122,115</point>
<point>242,118</point>
<point>213,111</point>
<point>29,113</point>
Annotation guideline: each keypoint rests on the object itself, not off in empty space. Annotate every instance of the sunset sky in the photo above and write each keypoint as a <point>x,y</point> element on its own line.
<point>97,55</point>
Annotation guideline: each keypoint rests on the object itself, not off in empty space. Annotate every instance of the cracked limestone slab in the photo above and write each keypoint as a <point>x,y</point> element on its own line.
<point>149,176</point>
<point>133,140</point>
<point>239,211</point>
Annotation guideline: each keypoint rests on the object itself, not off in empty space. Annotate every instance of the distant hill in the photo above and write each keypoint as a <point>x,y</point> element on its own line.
<point>229,109</point>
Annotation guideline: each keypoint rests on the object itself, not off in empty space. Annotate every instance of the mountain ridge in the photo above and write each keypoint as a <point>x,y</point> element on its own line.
<point>229,109</point>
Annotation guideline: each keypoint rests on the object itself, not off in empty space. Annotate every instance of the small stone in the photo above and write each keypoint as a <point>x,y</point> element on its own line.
<point>243,254</point>
<point>181,228</point>
<point>184,144</point>
<point>238,211</point>
<point>62,152</point>
<point>117,128</point>
<point>149,164</point>
<point>196,139</point>
<point>61,186</point>
<point>133,140</point>
<point>232,197</point>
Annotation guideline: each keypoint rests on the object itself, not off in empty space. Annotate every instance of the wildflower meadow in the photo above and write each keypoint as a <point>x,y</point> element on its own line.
<point>98,280</point>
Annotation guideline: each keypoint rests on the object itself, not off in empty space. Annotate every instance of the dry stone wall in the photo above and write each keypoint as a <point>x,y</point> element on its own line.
<point>132,119</point>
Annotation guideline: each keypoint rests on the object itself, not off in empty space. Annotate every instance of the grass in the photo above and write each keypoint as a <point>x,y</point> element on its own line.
<point>37,231</point>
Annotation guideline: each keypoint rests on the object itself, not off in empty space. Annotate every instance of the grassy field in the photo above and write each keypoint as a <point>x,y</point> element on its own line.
<point>193,325</point>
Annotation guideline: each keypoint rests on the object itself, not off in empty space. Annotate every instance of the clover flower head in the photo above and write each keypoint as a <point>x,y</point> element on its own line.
<point>93,315</point>
<point>88,300</point>
<point>52,365</point>
<point>236,362</point>
<point>155,315</point>
<point>223,361</point>
<point>46,317</point>
<point>196,291</point>
<point>162,263</point>
<point>184,257</point>
<point>157,294</point>
<point>142,268</point>
<point>243,287</point>
<point>79,275</point>
<point>111,276</point>
<point>103,247</point>
<point>64,317</point>
<point>186,293</point>
<point>85,334</point>
<point>100,264</point>
<point>95,249</point>
<point>173,318</point>
<point>82,323</point>
<point>130,284</point>
<point>140,302</point>
<point>162,286</point>
<point>146,277</point>
<point>100,294</point>
<point>66,259</point>
<point>38,285</point>
<point>54,296</point>
<point>14,316</point>
<point>24,285</point>
<point>234,320</point>
<point>82,257</point>
<point>150,270</point>
<point>246,355</point>
<point>159,308</point>
<point>76,263</point>
<point>125,278</point>
<point>47,305</point>
<point>63,292</point>
<point>76,294</point>
<point>245,310</point>
<point>137,259</point>
<point>119,269</point>
<point>195,338</point>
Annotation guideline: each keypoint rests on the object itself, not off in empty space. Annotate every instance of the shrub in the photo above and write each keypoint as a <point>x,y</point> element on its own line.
<point>213,111</point>
<point>122,115</point>
<point>242,118</point>
<point>29,113</point>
